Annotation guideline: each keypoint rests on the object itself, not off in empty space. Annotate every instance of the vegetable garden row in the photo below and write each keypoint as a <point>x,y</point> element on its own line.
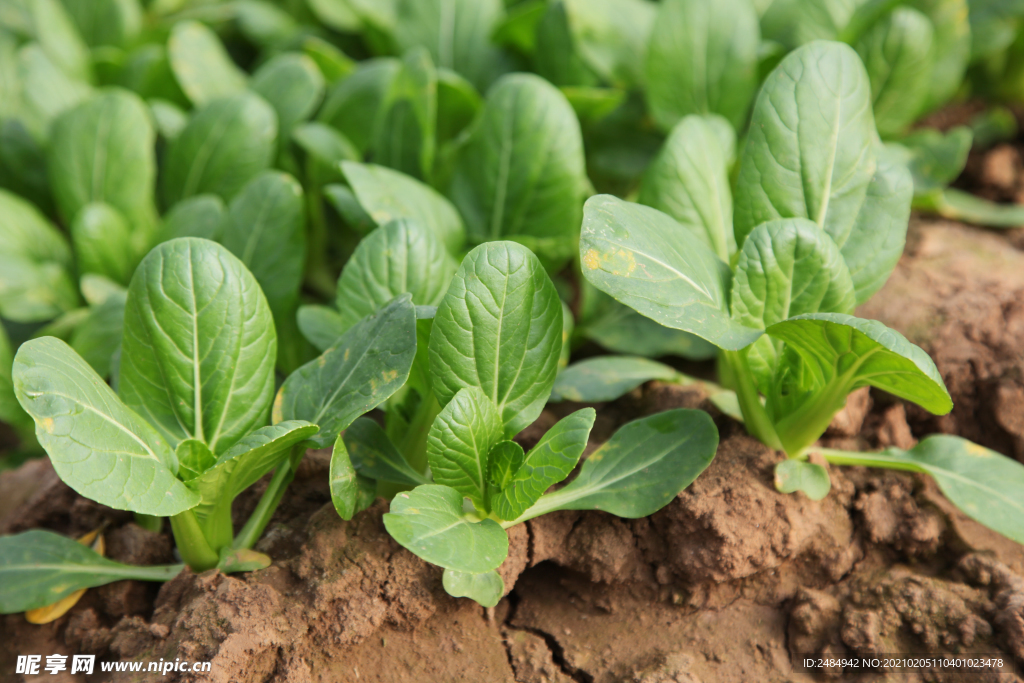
<point>235,231</point>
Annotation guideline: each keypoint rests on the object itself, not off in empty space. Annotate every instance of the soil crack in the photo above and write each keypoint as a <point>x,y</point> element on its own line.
<point>554,647</point>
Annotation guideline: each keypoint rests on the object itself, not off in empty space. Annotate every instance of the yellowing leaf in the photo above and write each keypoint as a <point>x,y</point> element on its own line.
<point>44,615</point>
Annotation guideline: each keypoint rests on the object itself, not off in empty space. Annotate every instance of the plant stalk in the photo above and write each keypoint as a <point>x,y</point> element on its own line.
<point>755,416</point>
<point>265,509</point>
<point>192,544</point>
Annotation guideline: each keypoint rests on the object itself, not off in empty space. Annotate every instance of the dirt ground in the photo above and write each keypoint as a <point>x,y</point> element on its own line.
<point>732,581</point>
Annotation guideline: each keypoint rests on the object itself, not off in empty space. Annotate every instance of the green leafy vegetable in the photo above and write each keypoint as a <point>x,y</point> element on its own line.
<point>364,368</point>
<point>702,60</point>
<point>429,520</point>
<point>225,144</point>
<point>521,173</point>
<point>99,446</point>
<point>500,293</point>
<point>102,150</point>
<point>387,195</point>
<point>652,264</point>
<point>199,345</point>
<point>202,66</point>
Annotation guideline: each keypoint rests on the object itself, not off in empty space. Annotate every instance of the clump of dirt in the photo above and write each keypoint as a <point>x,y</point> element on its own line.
<point>732,581</point>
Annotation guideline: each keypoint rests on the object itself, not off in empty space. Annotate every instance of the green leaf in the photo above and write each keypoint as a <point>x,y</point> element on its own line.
<point>200,216</point>
<point>199,345</point>
<point>486,588</point>
<point>796,22</point>
<point>689,180</point>
<point>459,442</point>
<point>652,264</point>
<point>334,64</point>
<point>620,329</point>
<point>952,37</point>
<point>504,460</point>
<point>344,481</point>
<point>935,158</point>
<point>202,65</point>
<point>879,234</point>
<point>97,338</point>
<point>547,463</point>
<point>106,22</point>
<point>147,71</point>
<point>325,149</point>
<point>457,105</point>
<point>11,411</point>
<point>98,445</point>
<point>48,91</point>
<point>168,118</point>
<point>225,144</point>
<point>321,326</point>
<point>797,475</point>
<point>962,206</point>
<point>238,468</point>
<point>556,57</point>
<point>387,195</point>
<point>499,328</point>
<point>611,37</point>
<point>810,149</point>
<point>864,353</point>
<point>405,137</point>
<point>429,522</point>
<point>294,87</point>
<point>457,33</point>
<point>56,33</point>
<point>96,289</point>
<point>103,243</point>
<point>788,268</point>
<point>38,568</point>
<point>606,378</point>
<point>641,468</point>
<point>592,104</point>
<point>399,257</point>
<point>362,370</point>
<point>898,54</point>
<point>266,230</point>
<point>103,151</point>
<point>194,458</point>
<point>522,171</point>
<point>35,262</point>
<point>374,456</point>
<point>702,60</point>
<point>353,105</point>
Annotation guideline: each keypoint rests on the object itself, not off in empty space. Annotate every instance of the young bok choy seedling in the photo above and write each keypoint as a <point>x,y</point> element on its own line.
<point>492,356</point>
<point>818,219</point>
<point>186,432</point>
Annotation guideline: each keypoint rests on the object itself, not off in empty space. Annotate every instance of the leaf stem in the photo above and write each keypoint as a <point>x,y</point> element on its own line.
<point>854,458</point>
<point>755,416</point>
<point>265,509</point>
<point>191,542</point>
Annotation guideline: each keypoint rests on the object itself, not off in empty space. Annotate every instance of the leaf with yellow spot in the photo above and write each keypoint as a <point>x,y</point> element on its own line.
<point>346,381</point>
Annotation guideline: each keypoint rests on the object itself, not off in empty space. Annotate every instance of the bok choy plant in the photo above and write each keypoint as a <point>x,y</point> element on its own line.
<point>187,429</point>
<point>458,479</point>
<point>819,218</point>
